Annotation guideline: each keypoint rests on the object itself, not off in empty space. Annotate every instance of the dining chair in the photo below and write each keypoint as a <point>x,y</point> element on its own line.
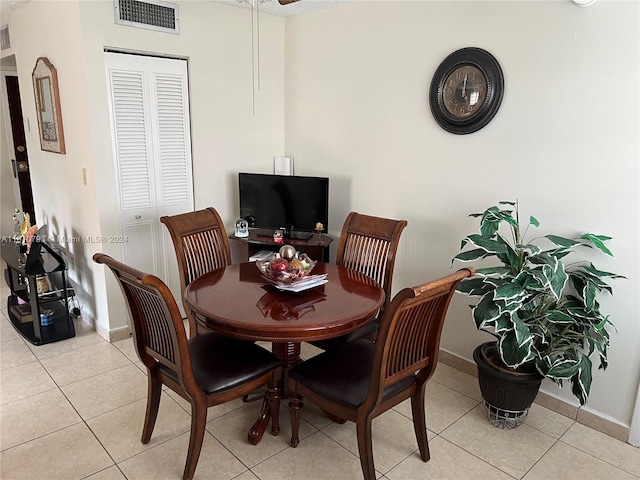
<point>201,245</point>
<point>206,370</point>
<point>361,379</point>
<point>367,244</point>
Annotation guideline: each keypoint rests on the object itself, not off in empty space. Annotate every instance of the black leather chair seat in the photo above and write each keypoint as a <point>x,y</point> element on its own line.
<point>368,331</point>
<point>220,363</point>
<point>342,375</point>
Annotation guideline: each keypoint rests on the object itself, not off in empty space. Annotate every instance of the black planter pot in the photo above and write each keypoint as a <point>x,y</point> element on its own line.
<point>507,393</point>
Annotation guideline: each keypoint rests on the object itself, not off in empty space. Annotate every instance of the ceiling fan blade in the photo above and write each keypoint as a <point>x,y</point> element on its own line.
<point>286,2</point>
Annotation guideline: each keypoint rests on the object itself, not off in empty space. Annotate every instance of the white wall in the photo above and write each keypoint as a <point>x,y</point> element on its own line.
<point>564,142</point>
<point>52,29</point>
<point>226,136</point>
<point>355,101</point>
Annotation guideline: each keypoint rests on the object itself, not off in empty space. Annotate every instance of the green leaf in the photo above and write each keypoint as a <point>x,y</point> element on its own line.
<point>564,369</point>
<point>486,312</point>
<point>582,380</point>
<point>508,291</point>
<point>490,222</point>
<point>523,335</point>
<point>589,294</point>
<point>529,248</point>
<point>533,221</point>
<point>486,272</point>
<point>509,307</point>
<point>508,255</point>
<point>562,241</point>
<point>493,216</point>
<point>579,278</point>
<point>528,281</point>
<point>470,255</point>
<point>558,280</point>
<point>599,273</point>
<point>556,316</point>
<point>489,245</point>
<point>513,354</point>
<point>489,228</point>
<point>598,242</point>
<point>503,324</point>
<point>474,287</point>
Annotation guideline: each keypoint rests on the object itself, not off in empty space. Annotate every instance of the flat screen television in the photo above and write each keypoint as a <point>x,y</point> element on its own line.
<point>293,204</point>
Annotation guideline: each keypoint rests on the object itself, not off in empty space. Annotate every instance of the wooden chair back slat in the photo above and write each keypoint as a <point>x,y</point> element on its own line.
<point>409,337</point>
<point>368,244</point>
<point>157,327</point>
<point>200,242</point>
<point>405,355</point>
<point>201,245</point>
<point>409,341</point>
<point>203,252</point>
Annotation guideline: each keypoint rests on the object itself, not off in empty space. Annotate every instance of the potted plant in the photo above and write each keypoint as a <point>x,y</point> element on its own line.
<point>543,311</point>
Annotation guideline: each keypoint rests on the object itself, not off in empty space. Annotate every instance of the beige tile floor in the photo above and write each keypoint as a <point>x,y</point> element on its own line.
<point>74,410</point>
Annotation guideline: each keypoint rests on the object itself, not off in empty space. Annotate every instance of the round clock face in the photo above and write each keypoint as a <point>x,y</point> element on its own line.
<point>466,90</point>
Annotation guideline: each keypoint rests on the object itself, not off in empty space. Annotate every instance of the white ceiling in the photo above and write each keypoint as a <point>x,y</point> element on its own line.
<point>270,7</point>
<point>8,6</point>
<point>273,7</point>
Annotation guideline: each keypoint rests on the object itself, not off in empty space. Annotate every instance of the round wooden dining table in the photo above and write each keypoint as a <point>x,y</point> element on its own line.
<point>237,301</point>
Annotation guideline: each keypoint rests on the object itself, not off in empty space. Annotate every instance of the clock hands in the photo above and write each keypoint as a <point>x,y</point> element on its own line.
<point>464,87</point>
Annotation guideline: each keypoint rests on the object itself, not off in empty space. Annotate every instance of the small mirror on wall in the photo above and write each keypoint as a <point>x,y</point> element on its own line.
<point>45,86</point>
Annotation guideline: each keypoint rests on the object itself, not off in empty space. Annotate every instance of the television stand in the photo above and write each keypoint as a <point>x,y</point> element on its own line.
<point>298,235</point>
<point>293,235</point>
<point>315,246</point>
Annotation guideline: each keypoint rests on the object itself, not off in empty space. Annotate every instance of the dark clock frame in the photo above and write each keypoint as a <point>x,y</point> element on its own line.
<point>490,68</point>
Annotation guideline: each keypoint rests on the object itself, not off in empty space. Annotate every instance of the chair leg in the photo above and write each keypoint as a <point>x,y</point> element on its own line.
<point>154,390</point>
<point>274,396</point>
<point>198,425</point>
<point>420,424</point>
<point>295,409</point>
<point>365,447</point>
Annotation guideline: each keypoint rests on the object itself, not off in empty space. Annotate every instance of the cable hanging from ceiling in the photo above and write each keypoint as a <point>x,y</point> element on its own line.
<point>255,48</point>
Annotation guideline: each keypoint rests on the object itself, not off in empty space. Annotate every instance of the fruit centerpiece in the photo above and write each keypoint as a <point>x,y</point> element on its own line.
<point>286,267</point>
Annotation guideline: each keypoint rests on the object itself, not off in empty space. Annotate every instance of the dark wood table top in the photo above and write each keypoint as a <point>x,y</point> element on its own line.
<point>237,301</point>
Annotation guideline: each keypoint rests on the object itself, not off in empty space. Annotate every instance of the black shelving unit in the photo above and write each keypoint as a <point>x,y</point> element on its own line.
<point>22,274</point>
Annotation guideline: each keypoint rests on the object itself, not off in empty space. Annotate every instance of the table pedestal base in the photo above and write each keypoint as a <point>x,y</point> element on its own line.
<point>289,355</point>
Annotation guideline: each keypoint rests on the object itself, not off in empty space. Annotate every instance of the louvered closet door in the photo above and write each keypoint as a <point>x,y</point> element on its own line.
<point>149,106</point>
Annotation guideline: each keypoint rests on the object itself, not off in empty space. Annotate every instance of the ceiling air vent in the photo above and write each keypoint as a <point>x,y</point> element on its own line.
<point>151,14</point>
<point>4,37</point>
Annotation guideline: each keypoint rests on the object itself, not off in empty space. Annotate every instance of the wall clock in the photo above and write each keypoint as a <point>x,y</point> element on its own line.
<point>466,90</point>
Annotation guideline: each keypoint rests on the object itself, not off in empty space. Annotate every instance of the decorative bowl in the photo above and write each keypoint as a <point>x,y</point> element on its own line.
<point>286,276</point>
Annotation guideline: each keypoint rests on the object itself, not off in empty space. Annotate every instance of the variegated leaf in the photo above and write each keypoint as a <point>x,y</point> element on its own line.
<point>582,380</point>
<point>508,291</point>
<point>470,255</point>
<point>562,241</point>
<point>598,242</point>
<point>512,354</point>
<point>486,312</point>
<point>489,245</point>
<point>556,316</point>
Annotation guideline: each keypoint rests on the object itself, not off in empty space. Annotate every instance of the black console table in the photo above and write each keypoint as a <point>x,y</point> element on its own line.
<point>24,272</point>
<point>316,247</point>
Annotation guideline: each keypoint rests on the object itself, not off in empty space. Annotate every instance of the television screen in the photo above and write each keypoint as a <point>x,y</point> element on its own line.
<point>291,203</point>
